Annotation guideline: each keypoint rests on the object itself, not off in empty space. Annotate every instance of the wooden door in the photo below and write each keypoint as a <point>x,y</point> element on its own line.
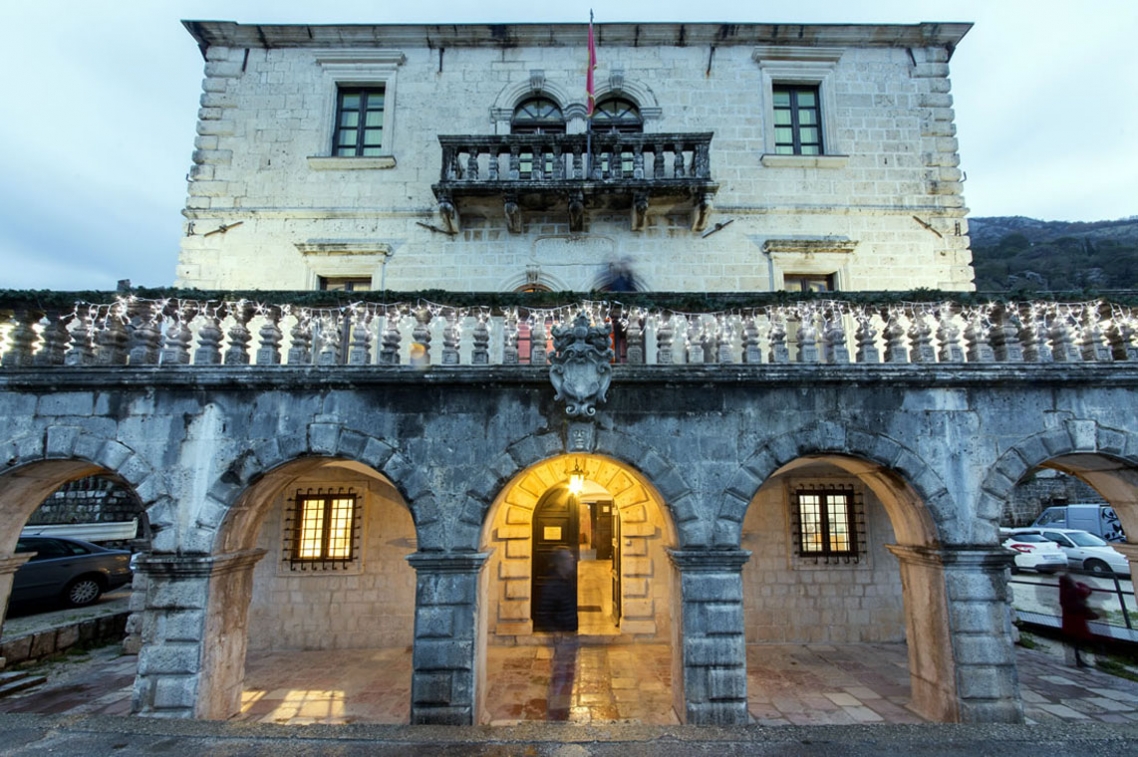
<point>554,589</point>
<point>616,544</point>
<point>602,529</point>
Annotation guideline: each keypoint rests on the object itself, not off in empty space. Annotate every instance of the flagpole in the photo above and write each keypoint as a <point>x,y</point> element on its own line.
<point>590,99</point>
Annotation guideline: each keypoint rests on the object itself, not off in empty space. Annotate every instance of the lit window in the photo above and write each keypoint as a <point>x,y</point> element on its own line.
<point>797,120</point>
<point>827,522</point>
<point>323,528</point>
<point>359,122</point>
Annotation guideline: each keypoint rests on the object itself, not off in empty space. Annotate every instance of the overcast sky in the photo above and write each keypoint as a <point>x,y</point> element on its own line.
<point>100,105</point>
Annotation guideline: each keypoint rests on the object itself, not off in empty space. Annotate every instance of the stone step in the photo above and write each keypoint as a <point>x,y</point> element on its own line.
<point>18,680</point>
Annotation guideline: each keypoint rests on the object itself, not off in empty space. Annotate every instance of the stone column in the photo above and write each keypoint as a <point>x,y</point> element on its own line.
<point>958,624</point>
<point>194,633</point>
<point>449,660</point>
<point>709,651</point>
<point>8,567</point>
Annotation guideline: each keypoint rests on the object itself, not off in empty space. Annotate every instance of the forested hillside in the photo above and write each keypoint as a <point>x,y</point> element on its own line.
<point>1016,253</point>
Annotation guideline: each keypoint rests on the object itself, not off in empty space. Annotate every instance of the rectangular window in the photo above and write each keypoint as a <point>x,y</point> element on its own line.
<point>322,529</point>
<point>828,522</point>
<point>359,122</point>
<point>808,282</point>
<point>345,283</point>
<point>797,120</point>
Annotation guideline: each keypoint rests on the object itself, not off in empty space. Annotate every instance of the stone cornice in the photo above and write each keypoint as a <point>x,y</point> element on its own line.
<point>230,34</point>
<point>448,562</point>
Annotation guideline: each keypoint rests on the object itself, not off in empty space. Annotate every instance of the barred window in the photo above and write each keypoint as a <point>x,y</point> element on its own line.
<point>322,529</point>
<point>829,523</point>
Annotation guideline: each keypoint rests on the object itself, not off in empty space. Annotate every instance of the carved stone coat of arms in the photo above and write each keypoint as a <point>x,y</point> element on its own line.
<point>581,370</point>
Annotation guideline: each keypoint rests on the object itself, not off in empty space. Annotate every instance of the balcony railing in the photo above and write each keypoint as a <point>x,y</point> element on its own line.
<point>133,331</point>
<point>575,171</point>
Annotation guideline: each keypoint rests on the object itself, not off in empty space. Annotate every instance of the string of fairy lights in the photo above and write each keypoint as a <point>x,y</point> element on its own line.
<point>682,328</point>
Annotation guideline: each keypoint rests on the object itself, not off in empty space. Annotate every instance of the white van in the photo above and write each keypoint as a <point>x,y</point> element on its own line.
<point>1100,520</point>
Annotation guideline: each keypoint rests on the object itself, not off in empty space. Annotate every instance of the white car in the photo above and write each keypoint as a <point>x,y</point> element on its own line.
<point>1035,552</point>
<point>1084,550</point>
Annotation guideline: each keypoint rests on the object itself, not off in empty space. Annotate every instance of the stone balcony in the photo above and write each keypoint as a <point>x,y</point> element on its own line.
<point>158,327</point>
<point>574,174</point>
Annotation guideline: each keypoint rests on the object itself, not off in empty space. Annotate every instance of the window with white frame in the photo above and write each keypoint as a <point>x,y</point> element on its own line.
<point>358,126</point>
<point>798,106</point>
<point>322,529</point>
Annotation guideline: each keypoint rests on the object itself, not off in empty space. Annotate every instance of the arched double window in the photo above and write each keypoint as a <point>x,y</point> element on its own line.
<point>617,115</point>
<point>536,115</point>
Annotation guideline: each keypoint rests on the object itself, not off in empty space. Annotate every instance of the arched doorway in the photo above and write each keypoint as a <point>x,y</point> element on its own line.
<point>614,526</point>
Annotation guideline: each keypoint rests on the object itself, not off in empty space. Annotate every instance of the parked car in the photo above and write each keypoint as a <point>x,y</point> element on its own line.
<point>73,571</point>
<point>1084,551</point>
<point>1035,552</point>
<point>1100,520</point>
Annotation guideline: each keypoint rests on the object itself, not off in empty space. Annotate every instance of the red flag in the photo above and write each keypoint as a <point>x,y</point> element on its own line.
<point>590,93</point>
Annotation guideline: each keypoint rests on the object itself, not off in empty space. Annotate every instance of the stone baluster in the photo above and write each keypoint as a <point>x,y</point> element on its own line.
<point>1005,337</point>
<point>638,161</point>
<point>1032,335</point>
<point>237,353</point>
<point>480,355</point>
<point>1063,349</point>
<point>113,338</point>
<point>331,339</point>
<point>270,337</point>
<point>539,351</point>
<point>452,335</point>
<point>895,350</point>
<point>921,339</point>
<point>55,338</point>
<point>979,350</point>
<point>779,352</point>
<point>209,339</point>
<point>948,334</point>
<point>752,349</point>
<point>82,349</point>
<point>359,351</point>
<point>300,337</point>
<point>807,336</point>
<point>724,336</point>
<point>701,160</point>
<point>176,350</point>
<point>492,169</point>
<point>678,162</point>
<point>515,163</point>
<point>1121,338</point>
<point>866,337</point>
<point>421,336</point>
<point>472,165</point>
<point>658,160</point>
<point>578,163</point>
<point>510,338</point>
<point>665,335</point>
<point>448,163</point>
<point>1093,344</point>
<point>23,336</point>
<point>147,340</point>
<point>693,345</point>
<point>834,347</point>
<point>390,340</point>
<point>558,163</point>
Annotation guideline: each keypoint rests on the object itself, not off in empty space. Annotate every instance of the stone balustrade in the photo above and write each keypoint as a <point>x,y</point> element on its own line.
<point>184,332</point>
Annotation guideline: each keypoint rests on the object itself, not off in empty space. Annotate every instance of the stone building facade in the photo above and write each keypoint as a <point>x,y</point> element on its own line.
<point>275,205</point>
<point>390,472</point>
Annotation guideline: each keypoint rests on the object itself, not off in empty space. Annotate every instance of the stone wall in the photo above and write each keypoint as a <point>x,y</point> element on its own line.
<point>369,604</point>
<point>795,600</point>
<point>1042,489</point>
<point>265,134</point>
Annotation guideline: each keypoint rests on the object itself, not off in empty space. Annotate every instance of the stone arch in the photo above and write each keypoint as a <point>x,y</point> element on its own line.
<point>1105,458</point>
<point>35,466</point>
<point>619,85</point>
<point>242,499</point>
<point>502,109</point>
<point>516,281</point>
<point>895,473</point>
<point>663,476</point>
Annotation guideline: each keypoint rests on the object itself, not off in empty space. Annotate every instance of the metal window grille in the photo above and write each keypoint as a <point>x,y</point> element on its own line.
<point>829,523</point>
<point>322,529</point>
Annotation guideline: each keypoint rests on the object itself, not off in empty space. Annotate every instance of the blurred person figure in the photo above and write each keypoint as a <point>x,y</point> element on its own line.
<point>1073,597</point>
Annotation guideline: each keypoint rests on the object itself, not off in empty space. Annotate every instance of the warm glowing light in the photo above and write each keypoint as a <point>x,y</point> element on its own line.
<point>576,478</point>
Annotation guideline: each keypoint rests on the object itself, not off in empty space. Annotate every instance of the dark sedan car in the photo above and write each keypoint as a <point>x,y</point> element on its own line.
<point>75,572</point>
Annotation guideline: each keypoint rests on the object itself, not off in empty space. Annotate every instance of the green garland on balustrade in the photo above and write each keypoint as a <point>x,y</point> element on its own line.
<point>692,302</point>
